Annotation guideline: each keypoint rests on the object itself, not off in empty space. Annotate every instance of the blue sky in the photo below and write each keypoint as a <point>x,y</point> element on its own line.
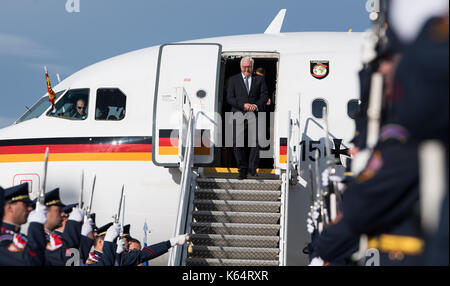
<point>34,33</point>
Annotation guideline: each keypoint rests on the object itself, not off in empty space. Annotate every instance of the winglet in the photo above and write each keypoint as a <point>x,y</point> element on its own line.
<point>277,22</point>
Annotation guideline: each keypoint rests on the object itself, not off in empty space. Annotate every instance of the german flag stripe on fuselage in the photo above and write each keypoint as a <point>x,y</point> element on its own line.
<point>77,149</point>
<point>168,142</point>
<point>283,150</point>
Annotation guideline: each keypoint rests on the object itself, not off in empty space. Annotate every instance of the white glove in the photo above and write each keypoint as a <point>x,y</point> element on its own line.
<point>77,214</point>
<point>86,229</point>
<point>178,240</point>
<point>120,246</point>
<point>39,216</point>
<point>112,232</point>
<point>310,228</point>
<point>326,177</point>
<point>317,261</point>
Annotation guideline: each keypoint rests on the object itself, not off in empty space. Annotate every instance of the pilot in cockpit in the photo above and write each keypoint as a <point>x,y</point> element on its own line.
<point>80,112</point>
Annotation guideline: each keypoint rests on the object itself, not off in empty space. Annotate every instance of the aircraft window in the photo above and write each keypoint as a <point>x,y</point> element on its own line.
<point>317,107</point>
<point>353,108</point>
<point>110,105</point>
<point>38,108</point>
<point>73,105</point>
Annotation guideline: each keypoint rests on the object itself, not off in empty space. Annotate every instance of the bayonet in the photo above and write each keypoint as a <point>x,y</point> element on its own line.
<point>80,201</point>
<point>145,232</point>
<point>123,217</point>
<point>41,194</point>
<point>91,199</point>
<point>117,215</point>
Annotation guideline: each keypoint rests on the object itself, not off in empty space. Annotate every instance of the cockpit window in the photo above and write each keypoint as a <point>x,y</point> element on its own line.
<point>73,105</point>
<point>110,105</point>
<point>38,108</point>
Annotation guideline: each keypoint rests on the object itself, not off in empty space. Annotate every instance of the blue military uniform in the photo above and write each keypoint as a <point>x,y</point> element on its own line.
<point>383,203</point>
<point>57,249</point>
<point>17,249</point>
<point>96,258</point>
<point>423,88</point>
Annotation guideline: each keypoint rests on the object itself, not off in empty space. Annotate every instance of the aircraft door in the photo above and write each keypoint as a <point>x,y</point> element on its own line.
<point>187,77</point>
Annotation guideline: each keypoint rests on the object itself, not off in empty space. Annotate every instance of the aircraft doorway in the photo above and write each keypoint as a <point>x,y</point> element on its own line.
<point>231,66</point>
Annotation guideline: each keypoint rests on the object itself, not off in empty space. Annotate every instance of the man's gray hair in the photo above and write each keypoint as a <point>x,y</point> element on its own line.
<point>247,59</point>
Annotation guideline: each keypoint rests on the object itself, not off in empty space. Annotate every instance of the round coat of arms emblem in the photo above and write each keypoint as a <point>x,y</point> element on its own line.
<point>320,69</point>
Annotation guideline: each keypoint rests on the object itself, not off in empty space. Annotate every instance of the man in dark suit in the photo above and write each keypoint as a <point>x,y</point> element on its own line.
<point>247,94</point>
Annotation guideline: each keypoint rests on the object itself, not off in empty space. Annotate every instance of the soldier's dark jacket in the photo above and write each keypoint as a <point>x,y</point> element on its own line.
<point>57,249</point>
<point>85,246</point>
<point>17,249</point>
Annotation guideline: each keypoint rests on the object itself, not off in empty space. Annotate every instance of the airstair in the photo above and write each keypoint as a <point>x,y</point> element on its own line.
<point>234,223</point>
<point>231,222</point>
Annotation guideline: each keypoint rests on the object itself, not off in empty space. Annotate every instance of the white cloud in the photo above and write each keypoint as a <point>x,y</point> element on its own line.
<point>11,45</point>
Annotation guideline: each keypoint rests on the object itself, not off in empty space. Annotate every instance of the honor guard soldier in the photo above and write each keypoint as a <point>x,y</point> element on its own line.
<point>96,256</point>
<point>135,257</point>
<point>423,89</point>
<point>57,250</point>
<point>383,203</point>
<point>87,237</point>
<point>17,249</point>
<point>65,212</point>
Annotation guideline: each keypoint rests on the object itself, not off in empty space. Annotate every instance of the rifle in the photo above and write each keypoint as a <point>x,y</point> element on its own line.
<point>319,194</point>
<point>332,188</point>
<point>41,195</point>
<point>91,199</point>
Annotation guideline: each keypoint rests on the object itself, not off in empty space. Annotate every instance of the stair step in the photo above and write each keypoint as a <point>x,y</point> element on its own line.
<point>239,195</point>
<point>235,228</point>
<point>235,252</point>
<point>236,217</point>
<point>248,184</point>
<point>229,262</point>
<point>232,173</point>
<point>235,240</point>
<point>237,206</point>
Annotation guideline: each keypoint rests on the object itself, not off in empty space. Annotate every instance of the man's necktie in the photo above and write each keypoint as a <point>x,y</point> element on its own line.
<point>246,85</point>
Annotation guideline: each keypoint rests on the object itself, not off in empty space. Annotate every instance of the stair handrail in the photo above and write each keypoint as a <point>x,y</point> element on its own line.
<point>185,186</point>
<point>285,194</point>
